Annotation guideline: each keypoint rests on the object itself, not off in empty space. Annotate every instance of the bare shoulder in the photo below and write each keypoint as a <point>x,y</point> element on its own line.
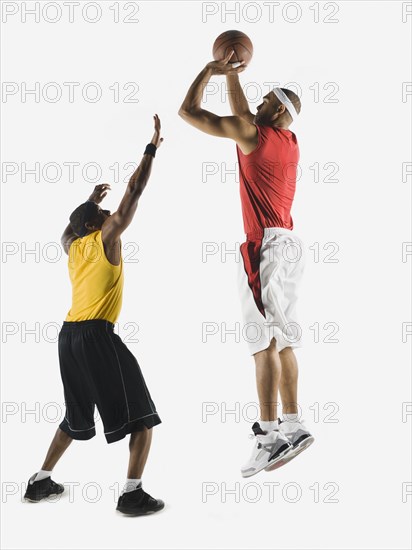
<point>111,243</point>
<point>248,135</point>
<point>110,230</point>
<point>245,125</point>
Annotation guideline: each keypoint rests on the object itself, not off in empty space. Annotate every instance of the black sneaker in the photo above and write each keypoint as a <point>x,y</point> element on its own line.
<point>138,503</point>
<point>42,489</point>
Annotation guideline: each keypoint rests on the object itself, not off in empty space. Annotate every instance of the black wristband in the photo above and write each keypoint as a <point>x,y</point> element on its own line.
<point>150,149</point>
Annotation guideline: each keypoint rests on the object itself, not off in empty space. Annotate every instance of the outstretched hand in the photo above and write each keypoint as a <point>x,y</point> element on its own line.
<point>224,67</point>
<point>100,191</point>
<point>156,139</point>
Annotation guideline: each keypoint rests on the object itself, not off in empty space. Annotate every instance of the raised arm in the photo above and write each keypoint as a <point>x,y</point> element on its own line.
<point>114,226</point>
<point>237,99</point>
<point>233,127</point>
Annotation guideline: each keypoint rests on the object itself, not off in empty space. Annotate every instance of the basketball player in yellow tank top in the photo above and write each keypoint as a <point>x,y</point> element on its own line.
<point>96,366</point>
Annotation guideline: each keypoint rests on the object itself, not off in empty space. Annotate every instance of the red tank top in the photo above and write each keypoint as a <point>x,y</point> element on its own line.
<point>268,179</point>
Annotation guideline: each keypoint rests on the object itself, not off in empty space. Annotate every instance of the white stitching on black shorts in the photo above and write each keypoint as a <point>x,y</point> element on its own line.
<point>121,427</point>
<point>71,429</point>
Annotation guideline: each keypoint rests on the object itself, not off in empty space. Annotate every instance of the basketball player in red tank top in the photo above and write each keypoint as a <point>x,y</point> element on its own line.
<point>272,256</point>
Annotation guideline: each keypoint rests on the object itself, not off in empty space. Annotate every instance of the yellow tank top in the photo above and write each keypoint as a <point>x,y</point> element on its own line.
<point>97,285</point>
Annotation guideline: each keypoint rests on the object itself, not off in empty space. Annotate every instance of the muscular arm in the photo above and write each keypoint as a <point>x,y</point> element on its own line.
<point>114,226</point>
<point>233,127</point>
<point>237,99</point>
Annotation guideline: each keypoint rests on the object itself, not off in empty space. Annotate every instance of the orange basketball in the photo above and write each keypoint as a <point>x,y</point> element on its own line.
<point>233,40</point>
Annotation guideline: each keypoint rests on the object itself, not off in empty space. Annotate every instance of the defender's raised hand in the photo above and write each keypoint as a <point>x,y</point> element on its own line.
<point>156,139</point>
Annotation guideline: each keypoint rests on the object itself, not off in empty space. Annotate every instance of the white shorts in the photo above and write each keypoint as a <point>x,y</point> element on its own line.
<point>270,269</point>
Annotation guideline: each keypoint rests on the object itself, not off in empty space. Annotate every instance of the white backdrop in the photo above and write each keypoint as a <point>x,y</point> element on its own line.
<point>350,64</point>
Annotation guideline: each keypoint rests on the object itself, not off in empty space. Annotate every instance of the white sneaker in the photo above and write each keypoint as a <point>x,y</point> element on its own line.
<point>268,451</point>
<point>298,436</point>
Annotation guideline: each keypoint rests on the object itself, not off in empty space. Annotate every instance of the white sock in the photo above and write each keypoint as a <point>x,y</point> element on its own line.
<point>131,485</point>
<point>268,425</point>
<point>41,474</point>
<point>291,417</point>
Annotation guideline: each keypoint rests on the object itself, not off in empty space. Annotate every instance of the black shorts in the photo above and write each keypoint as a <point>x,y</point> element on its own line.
<point>98,369</point>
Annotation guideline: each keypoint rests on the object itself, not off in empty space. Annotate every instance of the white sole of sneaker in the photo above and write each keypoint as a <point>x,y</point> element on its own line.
<point>271,464</point>
<point>295,451</point>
